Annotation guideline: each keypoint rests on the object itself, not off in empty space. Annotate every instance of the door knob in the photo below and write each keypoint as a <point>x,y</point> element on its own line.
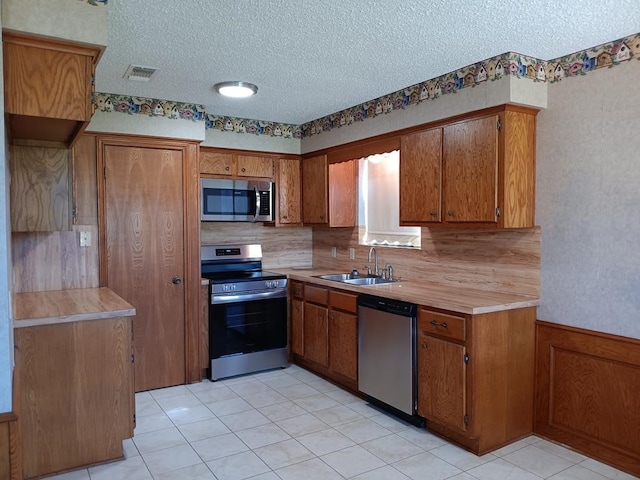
<point>176,280</point>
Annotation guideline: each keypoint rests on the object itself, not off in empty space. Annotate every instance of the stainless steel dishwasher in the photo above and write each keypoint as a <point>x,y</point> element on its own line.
<point>387,355</point>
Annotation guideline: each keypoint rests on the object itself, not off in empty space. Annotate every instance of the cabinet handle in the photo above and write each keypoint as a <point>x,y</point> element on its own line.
<point>332,317</point>
<point>176,280</point>
<point>450,213</point>
<point>424,345</point>
<point>432,213</point>
<point>284,217</point>
<point>226,168</point>
<point>436,324</point>
<point>244,169</point>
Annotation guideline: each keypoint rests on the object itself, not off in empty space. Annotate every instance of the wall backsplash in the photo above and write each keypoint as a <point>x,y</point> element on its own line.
<point>499,260</point>
<point>281,247</point>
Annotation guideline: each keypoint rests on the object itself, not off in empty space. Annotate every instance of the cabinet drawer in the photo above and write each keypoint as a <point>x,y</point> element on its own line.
<point>450,326</point>
<point>315,294</point>
<point>343,301</point>
<point>297,290</point>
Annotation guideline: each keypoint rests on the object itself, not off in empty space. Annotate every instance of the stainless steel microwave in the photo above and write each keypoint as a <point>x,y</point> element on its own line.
<point>225,200</point>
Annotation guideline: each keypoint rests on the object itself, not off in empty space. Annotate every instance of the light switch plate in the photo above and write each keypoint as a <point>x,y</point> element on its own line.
<point>352,253</point>
<point>85,239</point>
<point>334,252</point>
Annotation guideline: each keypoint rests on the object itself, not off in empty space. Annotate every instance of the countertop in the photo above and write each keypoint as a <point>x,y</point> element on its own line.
<point>456,299</point>
<point>63,306</point>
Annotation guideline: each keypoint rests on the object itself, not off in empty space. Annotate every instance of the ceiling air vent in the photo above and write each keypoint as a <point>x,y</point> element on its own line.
<point>138,73</point>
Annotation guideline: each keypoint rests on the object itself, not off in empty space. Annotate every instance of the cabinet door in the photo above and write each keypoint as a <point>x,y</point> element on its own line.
<point>441,382</point>
<point>254,166</point>
<point>314,190</point>
<point>297,326</point>
<point>216,163</point>
<point>421,177</point>
<point>342,194</point>
<point>343,343</point>
<point>288,187</point>
<point>315,333</point>
<point>470,155</point>
<point>40,189</point>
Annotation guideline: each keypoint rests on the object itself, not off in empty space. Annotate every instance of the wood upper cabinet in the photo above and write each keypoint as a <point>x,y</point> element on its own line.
<point>48,86</point>
<point>40,189</point>
<point>234,164</point>
<point>421,177</point>
<point>329,192</point>
<point>315,193</point>
<point>288,188</point>
<point>475,171</point>
<point>475,375</point>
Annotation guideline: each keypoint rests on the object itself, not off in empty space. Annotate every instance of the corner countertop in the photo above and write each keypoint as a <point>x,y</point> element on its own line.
<point>62,306</point>
<point>456,299</point>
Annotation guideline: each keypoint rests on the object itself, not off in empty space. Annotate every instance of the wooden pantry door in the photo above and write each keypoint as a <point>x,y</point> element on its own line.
<point>145,263</point>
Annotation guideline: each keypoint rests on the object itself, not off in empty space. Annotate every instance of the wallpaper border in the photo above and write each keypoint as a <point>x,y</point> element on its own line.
<point>607,55</point>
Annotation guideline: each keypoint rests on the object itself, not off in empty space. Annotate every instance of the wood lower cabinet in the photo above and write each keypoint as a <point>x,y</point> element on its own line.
<point>477,170</point>
<point>475,376</point>
<point>76,399</point>
<point>325,332</point>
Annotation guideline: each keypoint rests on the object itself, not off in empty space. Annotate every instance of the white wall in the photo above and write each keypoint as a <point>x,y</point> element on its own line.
<point>6,325</point>
<point>588,201</point>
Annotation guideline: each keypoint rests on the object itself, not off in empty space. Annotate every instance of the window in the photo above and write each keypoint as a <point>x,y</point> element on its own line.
<point>379,203</point>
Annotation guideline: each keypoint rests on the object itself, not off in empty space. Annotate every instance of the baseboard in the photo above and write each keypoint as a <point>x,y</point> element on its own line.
<point>587,393</point>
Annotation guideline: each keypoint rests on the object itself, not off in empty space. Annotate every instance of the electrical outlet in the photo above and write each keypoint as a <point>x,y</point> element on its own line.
<point>334,252</point>
<point>85,239</point>
<point>352,253</point>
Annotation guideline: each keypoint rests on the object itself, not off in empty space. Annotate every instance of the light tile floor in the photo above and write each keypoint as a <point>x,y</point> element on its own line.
<point>292,425</point>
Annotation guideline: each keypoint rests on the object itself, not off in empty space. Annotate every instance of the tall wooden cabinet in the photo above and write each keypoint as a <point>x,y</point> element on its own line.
<point>476,170</point>
<point>288,191</point>
<point>475,375</point>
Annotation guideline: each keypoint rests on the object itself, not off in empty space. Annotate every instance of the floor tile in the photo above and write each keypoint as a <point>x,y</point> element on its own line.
<point>193,472</point>
<point>229,406</point>
<point>262,435</point>
<point>352,461</point>
<point>418,466</point>
<point>266,476</point>
<point>302,425</point>
<point>147,407</point>
<point>501,469</point>
<point>342,396</point>
<point>211,427</point>
<point>535,460</point>
<point>76,475</point>
<point>174,458</point>
<point>560,451</point>
<point>392,448</point>
<point>460,458</point>
<point>422,438</point>
<point>363,408</point>
<point>606,470</point>
<point>337,415</point>
<point>282,454</point>
<point>169,391</point>
<point>578,473</point>
<point>384,473</point>
<point>240,421</point>
<point>158,440</point>
<point>391,423</point>
<point>512,447</point>
<point>238,467</point>
<point>305,375</point>
<point>314,469</point>
<point>262,399</point>
<point>249,388</point>
<point>282,381</point>
<point>325,441</point>
<point>282,411</point>
<point>297,391</point>
<point>362,430</point>
<point>323,386</point>
<point>313,403</point>
<point>129,448</point>
<point>196,413</point>
<point>178,401</point>
<point>140,396</point>
<point>216,394</point>
<point>149,423</point>
<point>218,447</point>
<point>132,468</point>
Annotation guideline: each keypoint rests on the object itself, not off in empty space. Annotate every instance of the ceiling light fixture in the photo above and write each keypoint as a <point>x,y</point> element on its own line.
<point>236,89</point>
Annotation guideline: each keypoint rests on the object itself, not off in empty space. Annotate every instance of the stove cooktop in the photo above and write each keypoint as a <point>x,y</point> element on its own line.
<point>236,277</point>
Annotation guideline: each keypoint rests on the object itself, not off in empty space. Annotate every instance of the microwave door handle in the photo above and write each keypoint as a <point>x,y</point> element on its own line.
<point>255,189</point>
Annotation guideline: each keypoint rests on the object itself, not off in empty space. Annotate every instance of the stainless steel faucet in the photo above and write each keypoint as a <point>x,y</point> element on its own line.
<point>375,255</point>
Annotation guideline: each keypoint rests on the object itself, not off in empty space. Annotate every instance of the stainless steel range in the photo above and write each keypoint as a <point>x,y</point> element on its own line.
<point>247,311</point>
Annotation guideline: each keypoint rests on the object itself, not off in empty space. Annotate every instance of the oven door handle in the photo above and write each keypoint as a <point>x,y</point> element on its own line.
<point>247,297</point>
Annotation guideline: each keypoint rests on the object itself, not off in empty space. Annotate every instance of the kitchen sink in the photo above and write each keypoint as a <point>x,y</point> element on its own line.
<point>352,279</point>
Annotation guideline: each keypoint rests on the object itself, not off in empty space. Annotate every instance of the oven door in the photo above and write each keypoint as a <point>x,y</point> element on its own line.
<point>239,325</point>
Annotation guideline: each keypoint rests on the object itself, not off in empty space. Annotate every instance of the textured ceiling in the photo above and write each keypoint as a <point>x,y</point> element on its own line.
<point>311,58</point>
